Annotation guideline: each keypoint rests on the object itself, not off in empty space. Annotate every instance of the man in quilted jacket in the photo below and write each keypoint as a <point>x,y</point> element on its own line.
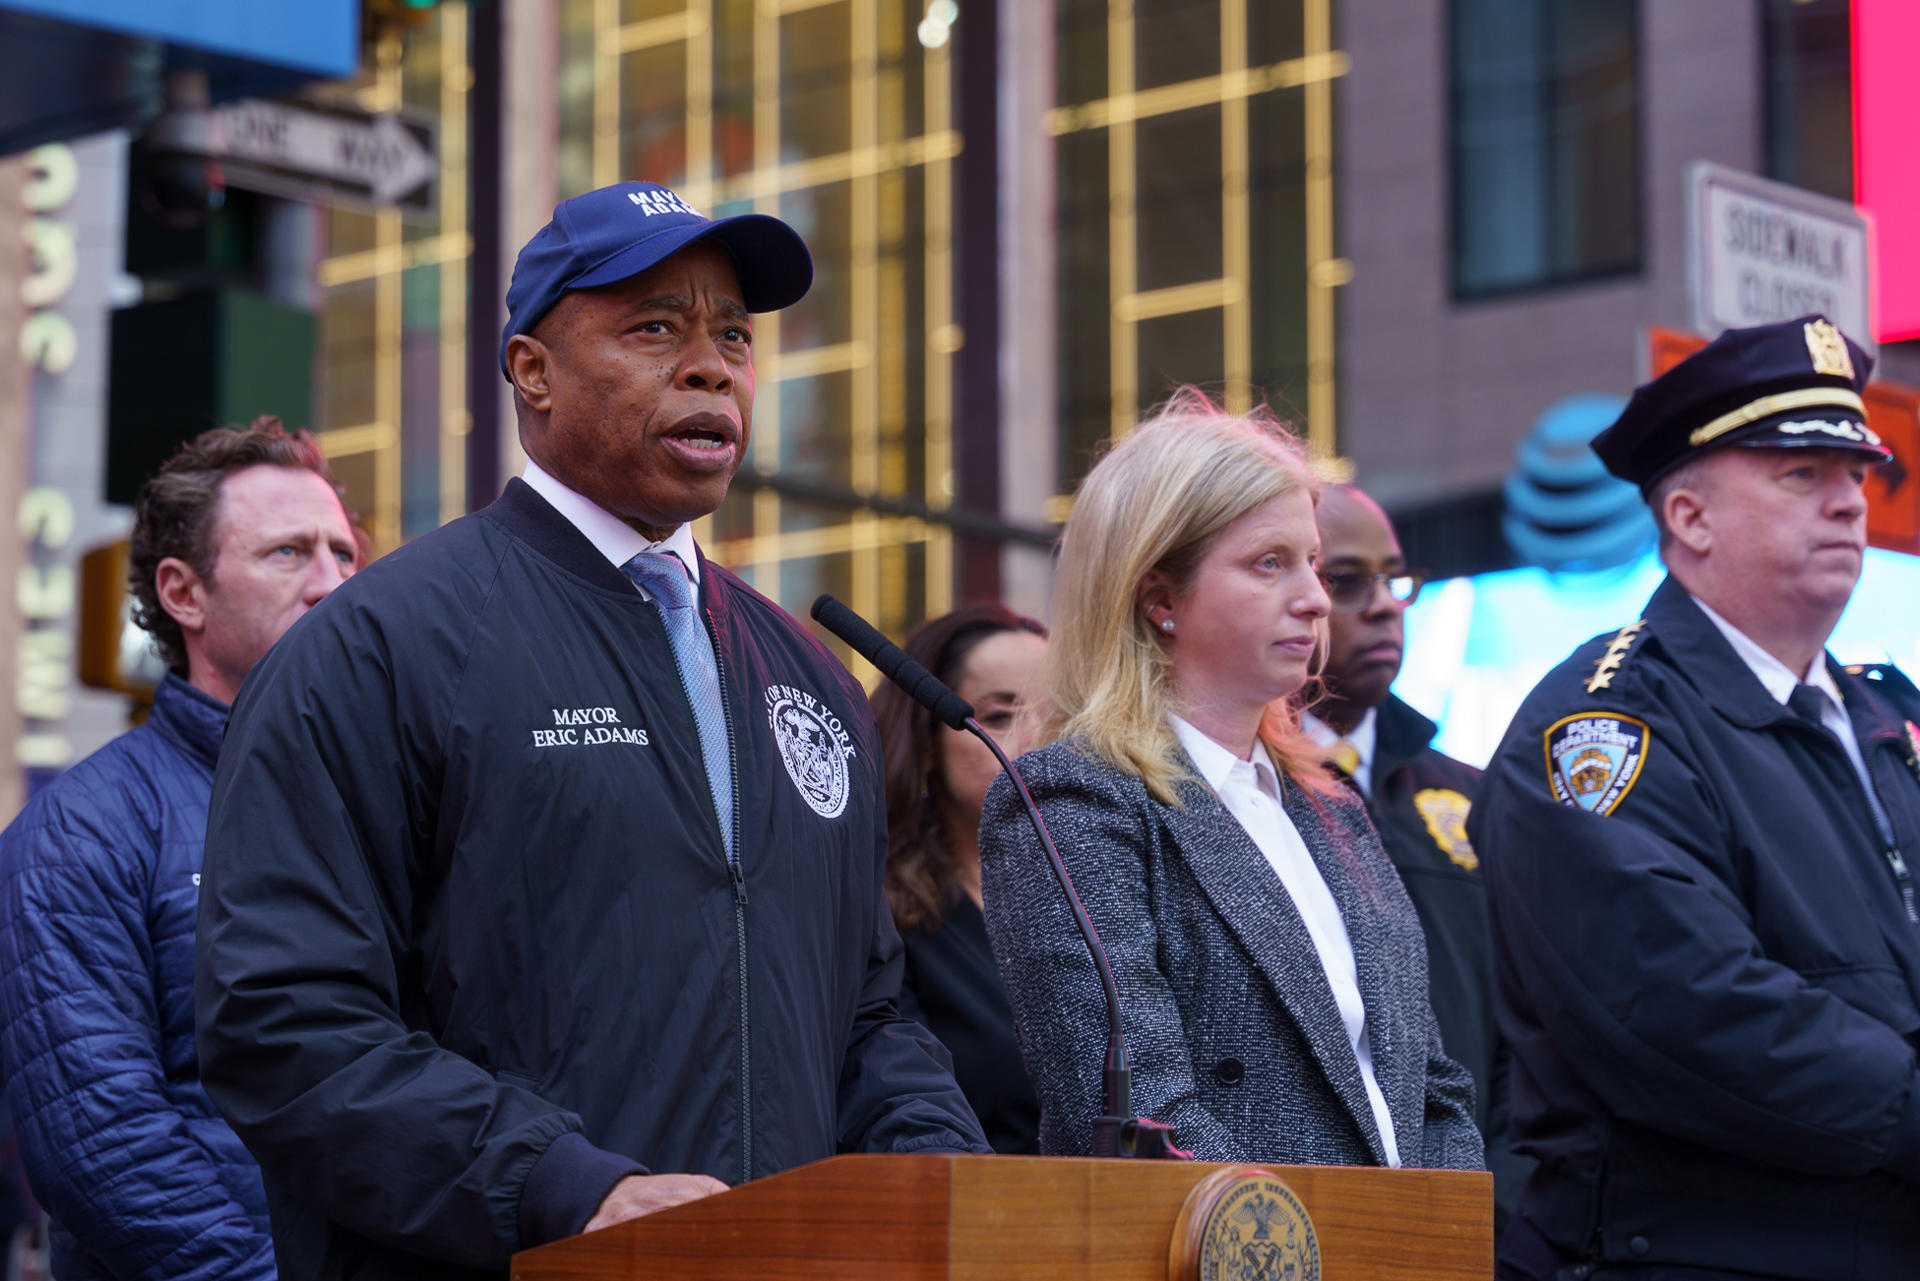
<point>240,533</point>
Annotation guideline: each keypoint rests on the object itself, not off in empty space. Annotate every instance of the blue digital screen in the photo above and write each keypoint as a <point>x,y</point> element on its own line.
<point>1477,646</point>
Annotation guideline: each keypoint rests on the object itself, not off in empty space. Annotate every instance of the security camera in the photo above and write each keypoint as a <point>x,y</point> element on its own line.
<point>176,165</point>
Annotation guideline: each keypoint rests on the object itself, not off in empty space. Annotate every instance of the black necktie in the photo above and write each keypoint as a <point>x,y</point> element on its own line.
<point>1807,703</point>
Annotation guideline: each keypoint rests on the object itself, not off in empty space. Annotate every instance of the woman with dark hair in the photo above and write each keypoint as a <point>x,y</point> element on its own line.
<point>936,780</point>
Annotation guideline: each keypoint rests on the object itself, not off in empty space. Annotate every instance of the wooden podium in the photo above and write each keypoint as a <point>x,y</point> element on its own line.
<point>918,1218</point>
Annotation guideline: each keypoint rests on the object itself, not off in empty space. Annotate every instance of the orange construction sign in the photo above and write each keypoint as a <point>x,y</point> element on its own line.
<point>1893,411</point>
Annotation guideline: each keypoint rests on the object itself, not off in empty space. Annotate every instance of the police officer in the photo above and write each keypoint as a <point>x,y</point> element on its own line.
<point>1416,795</point>
<point>1698,837</point>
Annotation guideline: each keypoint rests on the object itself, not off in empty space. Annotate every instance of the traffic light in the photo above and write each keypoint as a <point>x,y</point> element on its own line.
<point>208,358</point>
<point>111,652</point>
<point>208,347</point>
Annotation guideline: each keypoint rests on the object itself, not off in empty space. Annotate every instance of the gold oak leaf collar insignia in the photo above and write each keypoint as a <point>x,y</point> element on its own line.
<point>1609,662</point>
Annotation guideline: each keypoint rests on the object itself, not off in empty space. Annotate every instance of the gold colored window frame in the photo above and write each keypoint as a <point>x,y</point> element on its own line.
<point>1120,113</point>
<point>384,266</point>
<point>875,543</point>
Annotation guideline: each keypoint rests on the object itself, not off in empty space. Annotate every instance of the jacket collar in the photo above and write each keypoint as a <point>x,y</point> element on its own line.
<point>1401,735</point>
<point>1699,649</point>
<point>1869,717</point>
<point>192,721</point>
<point>1245,891</point>
<point>1872,718</point>
<point>1710,664</point>
<point>534,521</point>
<point>616,540</point>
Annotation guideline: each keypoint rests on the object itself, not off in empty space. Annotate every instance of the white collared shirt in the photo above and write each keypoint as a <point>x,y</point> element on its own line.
<point>1362,738</point>
<point>1779,681</point>
<point>1250,790</point>
<point>618,541</point>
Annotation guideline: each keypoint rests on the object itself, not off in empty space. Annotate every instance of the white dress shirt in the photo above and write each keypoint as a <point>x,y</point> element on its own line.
<point>1250,790</point>
<point>618,541</point>
<point>1779,680</point>
<point>1362,738</point>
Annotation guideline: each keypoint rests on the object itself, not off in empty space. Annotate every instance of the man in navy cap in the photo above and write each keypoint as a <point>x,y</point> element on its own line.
<point>1699,838</point>
<point>542,882</point>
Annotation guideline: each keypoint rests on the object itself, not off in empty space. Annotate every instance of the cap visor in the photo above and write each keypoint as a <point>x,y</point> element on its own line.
<point>771,260</point>
<point>1812,429</point>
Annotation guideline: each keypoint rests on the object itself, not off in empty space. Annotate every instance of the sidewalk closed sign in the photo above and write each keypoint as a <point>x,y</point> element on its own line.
<point>1760,251</point>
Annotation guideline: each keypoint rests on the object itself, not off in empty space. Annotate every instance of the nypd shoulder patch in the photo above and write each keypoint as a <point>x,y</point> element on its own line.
<point>1594,759</point>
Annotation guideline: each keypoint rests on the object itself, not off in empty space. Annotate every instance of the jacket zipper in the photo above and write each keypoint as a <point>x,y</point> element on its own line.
<point>1903,879</point>
<point>1902,875</point>
<point>739,914</point>
<point>1890,849</point>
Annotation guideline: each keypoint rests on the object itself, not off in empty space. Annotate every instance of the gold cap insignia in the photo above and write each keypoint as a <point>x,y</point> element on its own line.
<point>1829,350</point>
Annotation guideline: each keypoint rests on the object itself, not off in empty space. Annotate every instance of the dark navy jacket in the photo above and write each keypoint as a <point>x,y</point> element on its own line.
<point>471,947</point>
<point>1419,803</point>
<point>98,884</point>
<point>952,985</point>
<point>1713,990</point>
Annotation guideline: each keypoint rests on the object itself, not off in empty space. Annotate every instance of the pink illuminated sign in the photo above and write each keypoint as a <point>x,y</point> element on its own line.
<point>1886,160</point>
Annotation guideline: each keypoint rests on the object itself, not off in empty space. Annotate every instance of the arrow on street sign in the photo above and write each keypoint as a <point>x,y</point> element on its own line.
<point>335,155</point>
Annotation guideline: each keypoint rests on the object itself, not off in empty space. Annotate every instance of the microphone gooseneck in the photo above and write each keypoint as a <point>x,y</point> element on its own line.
<point>1113,1133</point>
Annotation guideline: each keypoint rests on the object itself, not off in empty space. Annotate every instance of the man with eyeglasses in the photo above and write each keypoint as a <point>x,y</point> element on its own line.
<point>1417,796</point>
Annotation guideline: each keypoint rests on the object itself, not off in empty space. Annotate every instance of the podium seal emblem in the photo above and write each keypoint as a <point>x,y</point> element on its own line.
<point>1243,1224</point>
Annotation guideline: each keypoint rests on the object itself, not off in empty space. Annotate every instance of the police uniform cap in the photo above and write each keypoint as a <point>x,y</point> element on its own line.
<point>1790,385</point>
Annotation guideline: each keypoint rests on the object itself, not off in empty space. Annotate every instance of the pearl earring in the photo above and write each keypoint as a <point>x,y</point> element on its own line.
<point>1166,624</point>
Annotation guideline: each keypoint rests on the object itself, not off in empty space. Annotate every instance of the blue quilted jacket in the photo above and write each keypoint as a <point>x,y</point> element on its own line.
<point>99,885</point>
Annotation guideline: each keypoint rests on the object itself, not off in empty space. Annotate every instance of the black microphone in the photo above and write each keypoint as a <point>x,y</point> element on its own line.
<point>1114,1134</point>
<point>922,685</point>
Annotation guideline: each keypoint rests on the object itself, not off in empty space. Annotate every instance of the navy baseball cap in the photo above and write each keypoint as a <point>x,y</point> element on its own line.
<point>1792,384</point>
<point>618,232</point>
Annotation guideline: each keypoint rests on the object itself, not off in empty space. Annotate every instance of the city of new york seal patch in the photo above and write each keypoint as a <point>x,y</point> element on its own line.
<point>814,746</point>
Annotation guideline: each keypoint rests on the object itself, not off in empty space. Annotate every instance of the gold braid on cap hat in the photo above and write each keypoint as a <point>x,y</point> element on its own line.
<point>1780,403</point>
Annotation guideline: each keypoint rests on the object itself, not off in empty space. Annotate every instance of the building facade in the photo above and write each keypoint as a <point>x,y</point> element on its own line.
<point>1512,198</point>
<point>1029,223</point>
<point>1411,227</point>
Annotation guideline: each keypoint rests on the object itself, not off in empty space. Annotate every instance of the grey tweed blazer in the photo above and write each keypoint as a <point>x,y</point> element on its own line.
<point>1232,1030</point>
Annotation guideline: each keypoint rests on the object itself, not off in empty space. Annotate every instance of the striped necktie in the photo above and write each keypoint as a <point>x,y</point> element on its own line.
<point>665,579</point>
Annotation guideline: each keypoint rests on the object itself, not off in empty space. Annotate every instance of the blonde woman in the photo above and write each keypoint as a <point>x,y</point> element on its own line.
<point>1272,973</point>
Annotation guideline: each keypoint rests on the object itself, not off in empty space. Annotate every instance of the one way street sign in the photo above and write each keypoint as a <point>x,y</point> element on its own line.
<point>329,154</point>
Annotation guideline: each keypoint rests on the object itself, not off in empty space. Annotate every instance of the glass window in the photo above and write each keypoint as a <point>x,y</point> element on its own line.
<point>1192,145</point>
<point>1809,92</point>
<point>391,404</point>
<point>833,116</point>
<point>1545,141</point>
